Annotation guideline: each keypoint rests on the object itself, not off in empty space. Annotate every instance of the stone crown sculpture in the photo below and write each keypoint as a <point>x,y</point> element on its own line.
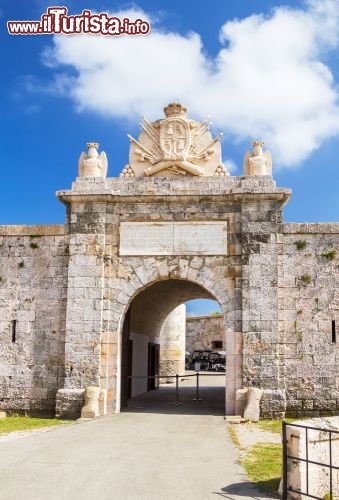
<point>92,164</point>
<point>257,162</point>
<point>174,146</point>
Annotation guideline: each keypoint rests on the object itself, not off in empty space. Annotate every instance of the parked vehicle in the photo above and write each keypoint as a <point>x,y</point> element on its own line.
<point>206,359</point>
<point>218,367</point>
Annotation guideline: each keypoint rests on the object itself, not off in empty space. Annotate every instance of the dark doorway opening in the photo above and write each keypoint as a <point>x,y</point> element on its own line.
<point>126,362</point>
<point>153,366</point>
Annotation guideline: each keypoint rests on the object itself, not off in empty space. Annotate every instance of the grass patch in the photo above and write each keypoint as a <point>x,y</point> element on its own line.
<point>263,466</point>
<point>273,425</point>
<point>12,424</point>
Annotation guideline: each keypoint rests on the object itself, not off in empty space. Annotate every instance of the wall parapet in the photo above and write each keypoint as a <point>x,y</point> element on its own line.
<point>311,228</point>
<point>40,230</point>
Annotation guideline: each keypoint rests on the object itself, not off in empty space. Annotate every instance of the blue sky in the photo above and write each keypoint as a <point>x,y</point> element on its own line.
<point>282,56</point>
<point>261,69</point>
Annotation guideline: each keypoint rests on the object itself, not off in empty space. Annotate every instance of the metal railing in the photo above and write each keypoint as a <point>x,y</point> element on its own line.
<point>330,467</point>
<point>177,378</point>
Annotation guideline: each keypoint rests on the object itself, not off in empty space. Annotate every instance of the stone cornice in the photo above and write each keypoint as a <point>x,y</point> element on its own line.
<point>154,190</point>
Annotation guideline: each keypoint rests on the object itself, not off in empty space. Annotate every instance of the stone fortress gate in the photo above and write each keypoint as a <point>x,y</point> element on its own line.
<point>90,302</point>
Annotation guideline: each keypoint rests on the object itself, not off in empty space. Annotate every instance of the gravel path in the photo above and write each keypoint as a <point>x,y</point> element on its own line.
<point>12,436</point>
<point>250,434</point>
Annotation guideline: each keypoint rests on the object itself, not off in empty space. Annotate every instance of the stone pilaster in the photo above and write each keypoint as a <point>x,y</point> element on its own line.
<point>84,310</point>
<point>261,226</point>
<point>172,343</point>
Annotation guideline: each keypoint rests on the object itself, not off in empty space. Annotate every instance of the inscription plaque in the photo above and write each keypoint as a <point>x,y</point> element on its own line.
<point>173,238</point>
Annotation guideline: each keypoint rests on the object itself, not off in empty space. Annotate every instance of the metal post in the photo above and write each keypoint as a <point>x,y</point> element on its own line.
<point>177,402</point>
<point>331,480</point>
<point>306,442</point>
<point>284,440</point>
<point>197,389</point>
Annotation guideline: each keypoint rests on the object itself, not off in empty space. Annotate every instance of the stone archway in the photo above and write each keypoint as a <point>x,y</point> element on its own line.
<point>150,311</point>
<point>148,308</point>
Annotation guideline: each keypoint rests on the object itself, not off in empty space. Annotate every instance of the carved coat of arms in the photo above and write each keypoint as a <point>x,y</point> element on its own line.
<point>174,146</point>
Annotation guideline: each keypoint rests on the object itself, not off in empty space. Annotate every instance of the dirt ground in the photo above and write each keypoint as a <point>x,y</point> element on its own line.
<point>249,434</point>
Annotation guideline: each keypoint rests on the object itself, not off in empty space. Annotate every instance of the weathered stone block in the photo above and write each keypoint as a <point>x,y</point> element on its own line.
<point>91,406</point>
<point>273,403</point>
<point>69,403</point>
<point>252,410</point>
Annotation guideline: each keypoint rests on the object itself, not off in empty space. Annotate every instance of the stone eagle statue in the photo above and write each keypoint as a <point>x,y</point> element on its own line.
<point>92,164</point>
<point>257,162</point>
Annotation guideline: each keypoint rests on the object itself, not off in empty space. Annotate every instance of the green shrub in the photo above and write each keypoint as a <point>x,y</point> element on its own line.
<point>330,255</point>
<point>300,244</point>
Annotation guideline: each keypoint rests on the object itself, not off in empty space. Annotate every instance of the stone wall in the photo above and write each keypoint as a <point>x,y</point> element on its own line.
<point>309,317</point>
<point>235,277</point>
<point>33,271</point>
<point>201,331</point>
<point>65,292</point>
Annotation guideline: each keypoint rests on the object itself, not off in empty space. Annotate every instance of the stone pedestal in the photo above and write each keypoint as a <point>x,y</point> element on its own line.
<point>252,410</point>
<point>91,408</point>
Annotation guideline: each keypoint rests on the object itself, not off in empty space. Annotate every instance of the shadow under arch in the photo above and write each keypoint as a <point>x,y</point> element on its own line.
<point>144,317</point>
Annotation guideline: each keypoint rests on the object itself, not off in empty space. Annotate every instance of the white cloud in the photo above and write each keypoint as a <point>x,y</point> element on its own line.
<point>231,167</point>
<point>268,80</point>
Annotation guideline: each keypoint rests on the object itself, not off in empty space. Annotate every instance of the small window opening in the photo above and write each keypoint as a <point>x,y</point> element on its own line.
<point>14,330</point>
<point>334,334</point>
<point>217,344</point>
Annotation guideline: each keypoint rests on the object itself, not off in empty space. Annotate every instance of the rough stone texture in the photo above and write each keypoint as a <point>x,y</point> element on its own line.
<point>252,410</point>
<point>69,403</point>
<point>33,271</point>
<point>65,291</point>
<point>273,403</point>
<point>202,331</point>
<point>308,304</point>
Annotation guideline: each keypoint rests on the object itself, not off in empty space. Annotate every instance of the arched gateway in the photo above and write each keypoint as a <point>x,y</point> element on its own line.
<point>174,226</point>
<point>156,320</point>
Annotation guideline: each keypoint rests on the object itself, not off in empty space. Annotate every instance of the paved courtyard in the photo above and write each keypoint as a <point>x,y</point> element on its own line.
<point>140,454</point>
